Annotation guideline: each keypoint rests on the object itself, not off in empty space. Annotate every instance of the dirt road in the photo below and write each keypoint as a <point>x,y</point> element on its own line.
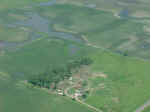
<point>81,102</point>
<point>141,109</point>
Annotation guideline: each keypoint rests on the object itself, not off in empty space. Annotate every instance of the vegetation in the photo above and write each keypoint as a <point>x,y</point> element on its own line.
<point>58,74</point>
<point>115,34</point>
<point>137,8</point>
<point>30,60</point>
<point>127,80</point>
<point>147,109</point>
<point>18,98</point>
<point>121,28</point>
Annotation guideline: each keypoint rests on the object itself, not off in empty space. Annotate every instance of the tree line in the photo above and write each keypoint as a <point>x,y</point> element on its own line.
<point>50,78</point>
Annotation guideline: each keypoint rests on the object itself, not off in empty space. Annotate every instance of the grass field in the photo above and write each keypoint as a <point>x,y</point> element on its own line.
<point>16,97</point>
<point>126,36</point>
<point>138,8</point>
<point>126,86</point>
<point>115,83</point>
<point>147,109</point>
<point>28,59</point>
<point>130,35</point>
<point>40,55</point>
<point>13,35</point>
<point>6,4</point>
<point>31,59</point>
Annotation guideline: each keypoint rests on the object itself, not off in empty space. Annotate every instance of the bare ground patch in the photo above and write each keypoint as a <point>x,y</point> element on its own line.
<point>102,75</point>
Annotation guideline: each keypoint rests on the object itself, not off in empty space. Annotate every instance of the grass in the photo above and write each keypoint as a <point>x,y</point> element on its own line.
<point>147,109</point>
<point>33,58</point>
<point>94,82</point>
<point>118,35</point>
<point>6,4</point>
<point>127,81</point>
<point>16,97</point>
<point>127,84</point>
<point>101,28</point>
<point>115,6</point>
<point>41,55</point>
<point>77,18</point>
<point>29,59</point>
<point>14,35</point>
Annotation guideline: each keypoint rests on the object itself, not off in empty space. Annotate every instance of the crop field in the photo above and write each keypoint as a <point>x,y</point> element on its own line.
<point>38,36</point>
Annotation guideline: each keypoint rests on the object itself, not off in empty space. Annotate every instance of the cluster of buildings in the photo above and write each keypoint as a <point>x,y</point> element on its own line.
<point>75,95</point>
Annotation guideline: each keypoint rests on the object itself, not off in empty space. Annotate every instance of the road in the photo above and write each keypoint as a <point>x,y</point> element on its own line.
<point>80,101</point>
<point>141,109</point>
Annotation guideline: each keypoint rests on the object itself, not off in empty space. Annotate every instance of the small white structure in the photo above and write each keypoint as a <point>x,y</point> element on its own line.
<point>59,90</point>
<point>77,95</point>
<point>61,93</point>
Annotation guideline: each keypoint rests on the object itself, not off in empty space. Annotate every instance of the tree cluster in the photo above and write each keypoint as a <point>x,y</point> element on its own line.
<point>53,76</point>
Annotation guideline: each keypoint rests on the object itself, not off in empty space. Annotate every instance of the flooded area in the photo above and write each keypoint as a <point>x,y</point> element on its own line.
<point>35,22</point>
<point>38,24</point>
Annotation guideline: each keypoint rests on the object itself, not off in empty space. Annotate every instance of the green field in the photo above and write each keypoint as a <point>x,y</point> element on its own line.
<point>147,109</point>
<point>30,59</point>
<point>127,81</point>
<point>6,4</point>
<point>13,35</point>
<point>35,39</point>
<point>40,54</point>
<point>125,36</point>
<point>16,97</point>
<point>128,35</point>
<point>137,8</point>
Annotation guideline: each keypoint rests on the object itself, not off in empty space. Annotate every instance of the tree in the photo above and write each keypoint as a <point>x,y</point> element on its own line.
<point>50,78</point>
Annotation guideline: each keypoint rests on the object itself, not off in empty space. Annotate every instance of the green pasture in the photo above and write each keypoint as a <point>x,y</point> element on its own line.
<point>127,84</point>
<point>16,96</point>
<point>147,109</point>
